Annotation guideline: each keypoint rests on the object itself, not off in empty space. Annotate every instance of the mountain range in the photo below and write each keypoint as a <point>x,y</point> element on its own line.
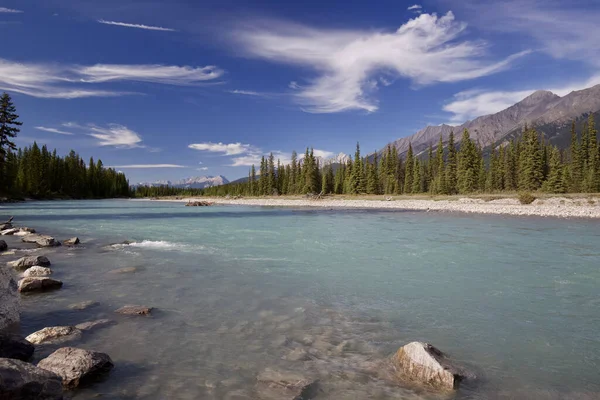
<point>195,182</point>
<point>549,113</point>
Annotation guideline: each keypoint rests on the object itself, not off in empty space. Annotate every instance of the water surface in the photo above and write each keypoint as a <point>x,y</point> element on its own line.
<point>238,288</point>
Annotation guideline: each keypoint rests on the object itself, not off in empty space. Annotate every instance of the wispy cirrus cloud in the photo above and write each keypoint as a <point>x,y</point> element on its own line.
<point>415,7</point>
<point>470,104</point>
<point>52,130</point>
<point>247,93</point>
<point>347,63</point>
<point>136,26</point>
<point>116,135</point>
<point>145,166</point>
<point>75,81</point>
<point>10,10</point>
<point>228,149</point>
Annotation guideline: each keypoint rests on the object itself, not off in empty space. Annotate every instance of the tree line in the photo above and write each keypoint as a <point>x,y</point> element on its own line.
<point>525,164</point>
<point>38,173</point>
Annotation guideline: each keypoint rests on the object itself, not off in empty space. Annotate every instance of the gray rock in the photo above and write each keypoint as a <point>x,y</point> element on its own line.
<point>127,270</point>
<point>282,385</point>
<point>134,310</point>
<point>38,284</point>
<point>22,381</point>
<point>425,364</point>
<point>36,270</point>
<point>297,355</point>
<point>87,326</point>
<point>77,367</point>
<point>14,346</point>
<point>26,262</point>
<point>3,245</point>
<point>83,305</point>
<point>41,240</point>
<point>26,229</point>
<point>9,231</point>
<point>54,334</point>
<point>71,242</point>
<point>9,300</point>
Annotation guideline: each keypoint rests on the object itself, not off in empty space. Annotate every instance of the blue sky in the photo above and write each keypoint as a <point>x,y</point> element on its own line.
<point>170,89</point>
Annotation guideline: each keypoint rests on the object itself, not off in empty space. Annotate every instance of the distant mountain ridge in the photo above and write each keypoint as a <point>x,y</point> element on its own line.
<point>544,110</point>
<point>195,182</point>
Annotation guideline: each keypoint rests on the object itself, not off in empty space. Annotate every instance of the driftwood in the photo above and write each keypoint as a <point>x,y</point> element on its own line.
<point>313,196</point>
<point>198,204</point>
<point>8,222</point>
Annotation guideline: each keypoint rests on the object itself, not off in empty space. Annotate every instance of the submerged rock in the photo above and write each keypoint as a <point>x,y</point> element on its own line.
<point>297,355</point>
<point>83,305</point>
<point>134,310</point>
<point>3,245</point>
<point>127,270</point>
<point>23,381</point>
<point>38,284</point>
<point>37,271</point>
<point>71,242</point>
<point>54,334</point>
<point>41,240</point>
<point>283,385</point>
<point>423,363</point>
<point>9,300</point>
<point>87,326</point>
<point>14,346</point>
<point>30,261</point>
<point>76,366</point>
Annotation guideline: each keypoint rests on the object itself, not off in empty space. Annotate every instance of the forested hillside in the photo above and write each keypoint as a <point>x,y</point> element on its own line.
<point>38,173</point>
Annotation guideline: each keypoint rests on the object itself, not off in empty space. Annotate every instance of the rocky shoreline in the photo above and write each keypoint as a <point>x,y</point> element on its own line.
<point>560,207</point>
<point>70,368</point>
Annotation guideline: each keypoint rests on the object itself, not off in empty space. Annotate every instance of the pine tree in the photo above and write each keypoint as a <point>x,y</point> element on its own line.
<point>451,166</point>
<point>575,162</point>
<point>439,182</point>
<point>417,185</point>
<point>530,162</point>
<point>372,177</point>
<point>592,178</point>
<point>555,182</point>
<point>468,165</point>
<point>409,170</point>
<point>9,128</point>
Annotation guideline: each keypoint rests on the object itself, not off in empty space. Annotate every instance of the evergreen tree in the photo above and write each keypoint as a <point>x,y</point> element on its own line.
<point>9,128</point>
<point>451,166</point>
<point>468,165</point>
<point>372,177</point>
<point>555,181</point>
<point>409,171</point>
<point>530,162</point>
<point>575,162</point>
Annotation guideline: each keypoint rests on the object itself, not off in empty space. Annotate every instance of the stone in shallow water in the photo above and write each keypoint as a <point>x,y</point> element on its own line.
<point>29,261</point>
<point>14,346</point>
<point>283,385</point>
<point>9,300</point>
<point>86,326</point>
<point>54,334</point>
<point>3,245</point>
<point>38,284</point>
<point>134,310</point>
<point>77,366</point>
<point>423,363</point>
<point>41,240</point>
<point>23,381</point>
<point>37,271</point>
<point>297,355</point>
<point>127,270</point>
<point>71,242</point>
<point>83,305</point>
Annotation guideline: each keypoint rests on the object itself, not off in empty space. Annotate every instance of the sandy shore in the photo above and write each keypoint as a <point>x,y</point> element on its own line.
<point>552,207</point>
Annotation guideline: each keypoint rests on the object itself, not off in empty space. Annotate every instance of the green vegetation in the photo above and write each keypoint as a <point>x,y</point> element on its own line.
<point>527,164</point>
<point>526,198</point>
<point>38,173</point>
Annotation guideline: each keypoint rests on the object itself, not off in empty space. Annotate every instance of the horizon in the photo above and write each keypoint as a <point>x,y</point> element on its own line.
<point>167,90</point>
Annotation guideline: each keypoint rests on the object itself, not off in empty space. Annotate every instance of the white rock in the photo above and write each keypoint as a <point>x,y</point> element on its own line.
<point>54,334</point>
<point>37,271</point>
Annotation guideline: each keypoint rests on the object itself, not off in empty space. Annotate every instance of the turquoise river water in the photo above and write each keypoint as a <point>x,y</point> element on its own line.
<point>236,289</point>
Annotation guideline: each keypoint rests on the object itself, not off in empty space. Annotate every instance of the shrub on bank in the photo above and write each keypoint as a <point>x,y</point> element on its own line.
<point>526,198</point>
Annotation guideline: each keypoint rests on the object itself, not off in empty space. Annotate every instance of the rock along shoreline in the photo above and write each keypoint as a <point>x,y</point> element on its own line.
<point>559,207</point>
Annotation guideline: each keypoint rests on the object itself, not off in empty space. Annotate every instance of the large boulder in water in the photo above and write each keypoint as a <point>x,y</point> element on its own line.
<point>283,385</point>
<point>27,262</point>
<point>41,240</point>
<point>3,246</point>
<point>9,300</point>
<point>14,346</point>
<point>36,270</point>
<point>71,242</point>
<point>54,334</point>
<point>134,310</point>
<point>23,381</point>
<point>425,364</point>
<point>77,366</point>
<point>38,284</point>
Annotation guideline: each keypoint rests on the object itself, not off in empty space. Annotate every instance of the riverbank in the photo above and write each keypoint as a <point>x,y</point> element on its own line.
<point>561,207</point>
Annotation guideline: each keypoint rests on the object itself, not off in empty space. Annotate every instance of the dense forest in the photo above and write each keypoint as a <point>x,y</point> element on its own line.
<point>38,173</point>
<point>526,164</point>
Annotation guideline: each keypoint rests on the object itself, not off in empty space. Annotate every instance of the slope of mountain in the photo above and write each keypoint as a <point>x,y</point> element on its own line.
<point>544,110</point>
<point>195,182</point>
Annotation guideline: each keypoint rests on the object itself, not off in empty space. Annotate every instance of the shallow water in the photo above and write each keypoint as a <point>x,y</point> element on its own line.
<point>237,288</point>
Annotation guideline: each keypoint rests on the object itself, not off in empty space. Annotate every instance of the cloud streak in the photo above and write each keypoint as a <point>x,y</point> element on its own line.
<point>246,93</point>
<point>10,10</point>
<point>414,7</point>
<point>116,135</point>
<point>348,63</point>
<point>144,166</point>
<point>228,149</point>
<point>52,130</point>
<point>75,81</point>
<point>136,26</point>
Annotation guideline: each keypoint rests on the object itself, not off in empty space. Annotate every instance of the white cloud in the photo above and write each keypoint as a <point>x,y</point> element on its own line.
<point>475,103</point>
<point>53,130</point>
<point>137,166</point>
<point>246,92</point>
<point>415,7</point>
<point>202,169</point>
<point>10,10</point>
<point>116,135</point>
<point>425,50</point>
<point>323,154</point>
<point>229,149</point>
<point>68,81</point>
<point>138,26</point>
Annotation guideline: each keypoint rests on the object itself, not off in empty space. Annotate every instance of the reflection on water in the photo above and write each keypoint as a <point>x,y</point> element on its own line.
<point>330,294</point>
